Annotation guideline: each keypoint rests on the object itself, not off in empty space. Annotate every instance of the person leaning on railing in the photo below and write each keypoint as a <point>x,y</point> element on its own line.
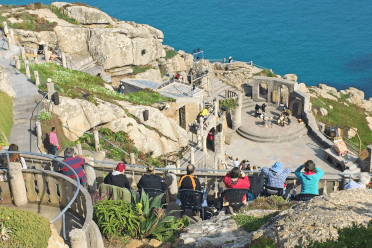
<point>76,163</point>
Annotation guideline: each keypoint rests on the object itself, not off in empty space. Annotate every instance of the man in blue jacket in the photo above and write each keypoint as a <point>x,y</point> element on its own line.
<point>310,178</point>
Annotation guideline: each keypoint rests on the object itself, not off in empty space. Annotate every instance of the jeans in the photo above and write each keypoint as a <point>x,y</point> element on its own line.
<point>54,150</point>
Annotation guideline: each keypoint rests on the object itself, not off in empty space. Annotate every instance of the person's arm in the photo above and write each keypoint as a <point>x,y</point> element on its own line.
<point>319,173</point>
<point>286,172</point>
<point>298,173</point>
<point>244,182</point>
<point>197,184</point>
<point>226,179</point>
<point>265,170</point>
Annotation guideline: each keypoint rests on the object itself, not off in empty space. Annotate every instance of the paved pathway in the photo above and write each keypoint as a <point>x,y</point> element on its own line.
<point>24,104</point>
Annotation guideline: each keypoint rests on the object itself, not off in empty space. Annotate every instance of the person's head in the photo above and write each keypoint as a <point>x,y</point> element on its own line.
<point>235,173</point>
<point>310,166</point>
<point>190,169</point>
<point>69,152</point>
<point>54,129</point>
<point>277,167</point>
<point>150,170</point>
<point>236,159</point>
<point>13,148</point>
<point>364,178</point>
<point>120,168</point>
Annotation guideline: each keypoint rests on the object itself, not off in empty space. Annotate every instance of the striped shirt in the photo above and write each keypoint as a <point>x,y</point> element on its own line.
<point>76,163</point>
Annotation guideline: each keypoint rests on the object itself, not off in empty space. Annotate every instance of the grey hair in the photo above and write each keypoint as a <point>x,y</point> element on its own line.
<point>69,152</point>
<point>364,178</point>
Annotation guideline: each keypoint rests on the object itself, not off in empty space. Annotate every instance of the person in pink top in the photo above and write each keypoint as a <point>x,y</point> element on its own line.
<point>53,141</point>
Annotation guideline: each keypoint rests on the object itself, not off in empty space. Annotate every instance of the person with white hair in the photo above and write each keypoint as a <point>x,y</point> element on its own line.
<point>364,179</point>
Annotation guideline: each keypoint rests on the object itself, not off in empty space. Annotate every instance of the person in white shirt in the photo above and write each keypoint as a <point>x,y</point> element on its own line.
<point>364,179</point>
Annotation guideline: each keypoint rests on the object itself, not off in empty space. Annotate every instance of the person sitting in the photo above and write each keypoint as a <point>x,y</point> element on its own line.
<point>76,163</point>
<point>178,76</point>
<point>189,181</point>
<point>236,179</point>
<point>276,176</point>
<point>117,177</point>
<point>13,157</point>
<point>153,181</point>
<point>310,178</point>
<point>364,179</point>
<point>281,120</point>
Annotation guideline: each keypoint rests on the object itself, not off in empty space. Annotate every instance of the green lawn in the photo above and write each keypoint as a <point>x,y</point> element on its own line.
<point>6,113</point>
<point>76,84</point>
<point>342,115</point>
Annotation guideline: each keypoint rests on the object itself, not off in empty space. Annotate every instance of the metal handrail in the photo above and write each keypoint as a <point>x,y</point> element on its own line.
<point>58,161</point>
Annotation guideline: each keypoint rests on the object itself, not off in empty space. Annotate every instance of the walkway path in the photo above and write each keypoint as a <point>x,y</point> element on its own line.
<point>24,104</point>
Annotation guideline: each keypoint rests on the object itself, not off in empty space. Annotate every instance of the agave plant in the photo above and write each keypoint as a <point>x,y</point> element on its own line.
<point>4,232</point>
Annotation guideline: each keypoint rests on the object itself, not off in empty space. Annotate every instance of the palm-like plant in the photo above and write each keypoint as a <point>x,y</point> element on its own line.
<point>4,232</point>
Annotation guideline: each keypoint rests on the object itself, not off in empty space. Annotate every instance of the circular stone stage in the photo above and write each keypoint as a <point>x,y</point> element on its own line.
<point>256,130</point>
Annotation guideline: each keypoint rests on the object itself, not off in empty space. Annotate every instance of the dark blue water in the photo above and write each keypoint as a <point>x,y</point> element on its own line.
<point>321,41</point>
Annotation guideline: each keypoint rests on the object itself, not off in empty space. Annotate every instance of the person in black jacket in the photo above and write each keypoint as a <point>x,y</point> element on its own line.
<point>117,177</point>
<point>189,181</point>
<point>263,107</point>
<point>152,181</point>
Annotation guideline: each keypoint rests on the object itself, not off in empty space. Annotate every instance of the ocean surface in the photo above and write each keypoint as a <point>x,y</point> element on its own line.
<point>321,41</point>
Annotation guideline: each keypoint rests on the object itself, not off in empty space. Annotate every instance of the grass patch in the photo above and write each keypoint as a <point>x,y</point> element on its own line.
<point>140,68</point>
<point>170,54</point>
<point>311,90</point>
<point>30,22</point>
<point>342,115</point>
<point>28,229</point>
<point>59,13</point>
<point>46,127</point>
<point>146,97</point>
<point>162,71</point>
<point>344,97</point>
<point>231,103</point>
<point>6,113</point>
<point>250,223</point>
<point>272,202</point>
<point>265,73</point>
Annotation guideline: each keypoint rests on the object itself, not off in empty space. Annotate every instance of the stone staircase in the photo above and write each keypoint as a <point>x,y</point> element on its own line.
<point>24,104</point>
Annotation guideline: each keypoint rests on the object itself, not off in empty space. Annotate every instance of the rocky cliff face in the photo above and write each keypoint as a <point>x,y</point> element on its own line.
<point>163,136</point>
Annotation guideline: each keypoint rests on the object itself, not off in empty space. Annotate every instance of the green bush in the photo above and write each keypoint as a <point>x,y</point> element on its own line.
<point>231,103</point>
<point>140,68</point>
<point>273,203</point>
<point>45,115</point>
<point>143,219</point>
<point>59,13</point>
<point>263,243</point>
<point>251,223</point>
<point>170,54</point>
<point>266,73</point>
<point>27,229</point>
<point>146,97</point>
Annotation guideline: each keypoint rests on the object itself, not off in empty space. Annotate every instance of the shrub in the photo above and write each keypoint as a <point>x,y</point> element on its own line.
<point>263,242</point>
<point>23,226</point>
<point>251,223</point>
<point>140,68</point>
<point>231,103</point>
<point>266,73</point>
<point>59,13</point>
<point>45,115</point>
<point>170,54</point>
<point>273,202</point>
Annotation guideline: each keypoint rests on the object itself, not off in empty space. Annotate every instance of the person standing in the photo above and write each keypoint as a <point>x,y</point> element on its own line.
<point>224,60</point>
<point>53,141</point>
<point>230,59</point>
<point>263,107</point>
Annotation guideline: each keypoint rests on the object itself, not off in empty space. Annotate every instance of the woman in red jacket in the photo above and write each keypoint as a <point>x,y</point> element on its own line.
<point>236,179</point>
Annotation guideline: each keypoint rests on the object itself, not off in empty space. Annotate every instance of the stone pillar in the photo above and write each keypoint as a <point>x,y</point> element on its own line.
<point>37,79</point>
<point>6,29</point>
<point>50,88</point>
<point>78,238</point>
<point>96,140</point>
<point>178,163</point>
<point>205,150</point>
<point>36,61</point>
<point>173,187</point>
<point>255,90</point>
<point>46,52</point>
<point>79,149</point>
<point>237,114</point>
<point>269,92</point>
<point>279,95</point>
<point>39,135</point>
<point>17,185</point>
<point>369,149</point>
<point>63,60</point>
<point>11,34</point>
<point>27,68</point>
<point>10,43</point>
<point>100,156</point>
<point>18,63</point>
<point>132,158</point>
<point>192,155</point>
<point>23,53</point>
<point>216,108</point>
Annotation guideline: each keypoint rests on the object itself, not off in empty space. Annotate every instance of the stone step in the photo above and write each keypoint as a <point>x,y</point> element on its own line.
<point>88,66</point>
<point>29,109</point>
<point>274,139</point>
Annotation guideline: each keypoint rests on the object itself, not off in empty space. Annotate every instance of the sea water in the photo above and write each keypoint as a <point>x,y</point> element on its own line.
<point>321,41</point>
